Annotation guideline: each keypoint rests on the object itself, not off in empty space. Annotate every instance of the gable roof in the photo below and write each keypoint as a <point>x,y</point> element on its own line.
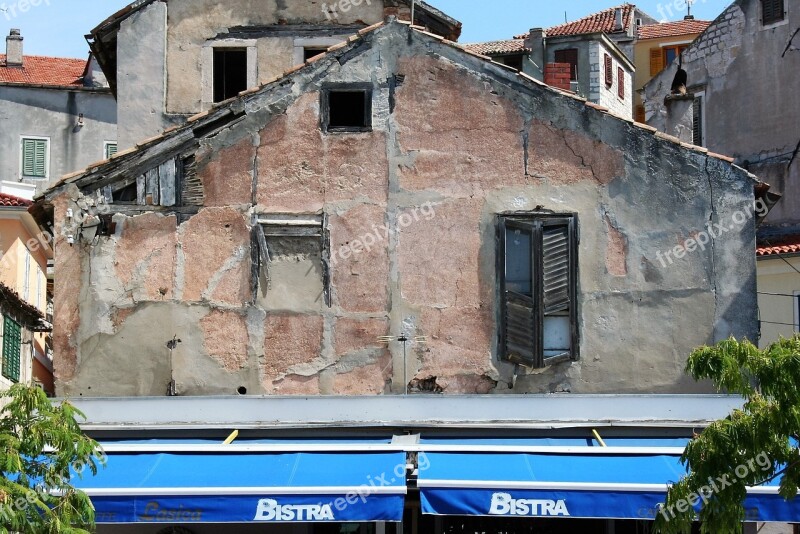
<point>492,48</point>
<point>151,152</point>
<point>103,38</point>
<point>602,21</point>
<point>673,29</point>
<point>44,71</point>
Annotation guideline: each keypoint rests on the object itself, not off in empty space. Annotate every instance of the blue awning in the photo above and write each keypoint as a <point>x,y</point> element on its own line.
<point>260,483</point>
<point>566,478</point>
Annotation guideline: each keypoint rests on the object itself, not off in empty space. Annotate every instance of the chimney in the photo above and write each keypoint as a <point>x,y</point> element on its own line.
<point>535,42</point>
<point>688,17</point>
<point>14,49</point>
<point>618,20</point>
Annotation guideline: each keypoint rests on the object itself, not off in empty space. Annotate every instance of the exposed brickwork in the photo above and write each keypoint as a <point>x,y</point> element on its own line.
<point>558,75</point>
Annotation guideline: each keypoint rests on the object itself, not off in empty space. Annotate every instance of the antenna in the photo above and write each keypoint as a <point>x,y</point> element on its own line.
<point>404,339</point>
<point>689,8</point>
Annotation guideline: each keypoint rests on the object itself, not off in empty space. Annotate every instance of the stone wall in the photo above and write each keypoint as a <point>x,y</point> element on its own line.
<point>410,212</point>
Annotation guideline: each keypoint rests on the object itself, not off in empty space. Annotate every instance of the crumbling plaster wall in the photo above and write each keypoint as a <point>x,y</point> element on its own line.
<point>464,142</point>
<point>748,74</point>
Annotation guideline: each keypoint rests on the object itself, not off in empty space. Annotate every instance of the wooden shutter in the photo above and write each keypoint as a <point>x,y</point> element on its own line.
<point>111,149</point>
<point>621,82</point>
<point>519,331</point>
<point>641,116</point>
<point>12,341</point>
<point>556,268</point>
<point>697,121</point>
<point>609,71</point>
<point>570,56</point>
<point>771,11</point>
<point>656,61</point>
<point>34,158</point>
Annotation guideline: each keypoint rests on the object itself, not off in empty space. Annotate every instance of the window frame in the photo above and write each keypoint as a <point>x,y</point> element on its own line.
<point>784,19</point>
<point>11,370</point>
<point>22,174</point>
<point>796,308</point>
<point>538,222</point>
<point>207,70</point>
<point>573,74</point>
<point>106,146</point>
<point>325,110</point>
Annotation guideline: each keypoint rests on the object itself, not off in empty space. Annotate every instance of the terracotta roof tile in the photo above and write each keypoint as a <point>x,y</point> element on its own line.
<point>10,201</point>
<point>42,70</point>
<point>673,29</point>
<point>778,246</point>
<point>604,21</point>
<point>509,46</point>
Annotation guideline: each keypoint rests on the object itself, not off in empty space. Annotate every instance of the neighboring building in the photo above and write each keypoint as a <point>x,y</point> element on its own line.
<point>743,99</point>
<point>57,114</point>
<point>196,55</point>
<point>592,56</point>
<point>657,47</point>
<point>267,246</point>
<point>24,297</point>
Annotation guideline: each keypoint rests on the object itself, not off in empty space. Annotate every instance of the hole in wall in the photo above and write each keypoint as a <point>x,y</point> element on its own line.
<point>242,390</point>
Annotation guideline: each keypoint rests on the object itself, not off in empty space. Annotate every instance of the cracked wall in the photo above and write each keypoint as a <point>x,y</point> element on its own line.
<point>463,140</point>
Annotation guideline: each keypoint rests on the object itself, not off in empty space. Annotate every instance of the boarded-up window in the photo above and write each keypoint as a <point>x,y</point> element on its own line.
<point>570,55</point>
<point>772,11</point>
<point>621,82</point>
<point>609,71</point>
<point>656,61</point>
<point>697,121</point>
<point>35,157</point>
<point>12,343</point>
<point>537,260</point>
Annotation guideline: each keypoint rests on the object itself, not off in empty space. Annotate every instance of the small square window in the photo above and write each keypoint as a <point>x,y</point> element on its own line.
<point>230,72</point>
<point>347,110</point>
<point>109,149</point>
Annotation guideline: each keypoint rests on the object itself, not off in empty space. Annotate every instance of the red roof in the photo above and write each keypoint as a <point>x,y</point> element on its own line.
<point>604,21</point>
<point>778,246</point>
<point>42,70</point>
<point>510,46</point>
<point>673,29</point>
<point>10,201</point>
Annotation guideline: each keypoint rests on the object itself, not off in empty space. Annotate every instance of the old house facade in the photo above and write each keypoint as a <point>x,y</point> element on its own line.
<point>196,54</point>
<point>743,71</point>
<point>523,240</point>
<point>57,114</point>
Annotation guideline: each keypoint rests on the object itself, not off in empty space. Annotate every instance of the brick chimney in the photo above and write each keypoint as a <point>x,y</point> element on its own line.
<point>14,49</point>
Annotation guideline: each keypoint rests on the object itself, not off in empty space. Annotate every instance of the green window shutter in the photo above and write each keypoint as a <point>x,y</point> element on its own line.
<point>12,341</point>
<point>34,158</point>
<point>111,149</point>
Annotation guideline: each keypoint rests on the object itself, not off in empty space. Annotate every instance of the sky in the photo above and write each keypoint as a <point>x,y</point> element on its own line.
<point>57,27</point>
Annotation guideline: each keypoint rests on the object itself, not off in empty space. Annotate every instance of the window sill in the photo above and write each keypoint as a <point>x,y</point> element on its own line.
<point>773,25</point>
<point>34,177</point>
<point>347,130</point>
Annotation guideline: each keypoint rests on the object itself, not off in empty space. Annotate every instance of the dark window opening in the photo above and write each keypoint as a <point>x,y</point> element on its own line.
<point>347,110</point>
<point>126,194</point>
<point>230,72</point>
<point>570,56</point>
<point>308,53</point>
<point>772,11</point>
<point>537,264</point>
<point>515,62</point>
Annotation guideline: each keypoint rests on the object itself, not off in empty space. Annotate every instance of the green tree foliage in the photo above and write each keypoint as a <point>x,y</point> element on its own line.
<point>40,444</point>
<point>750,447</point>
